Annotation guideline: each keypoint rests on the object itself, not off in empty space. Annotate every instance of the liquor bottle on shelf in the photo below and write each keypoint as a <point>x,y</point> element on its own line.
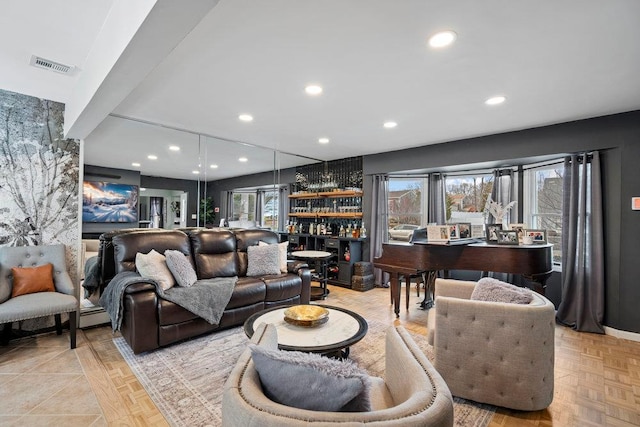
<point>363,231</point>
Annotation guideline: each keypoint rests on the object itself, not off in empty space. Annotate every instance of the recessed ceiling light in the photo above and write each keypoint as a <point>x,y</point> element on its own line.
<point>442,39</point>
<point>152,157</point>
<point>174,148</point>
<point>390,125</point>
<point>245,117</point>
<point>195,172</point>
<point>243,159</point>
<point>323,140</point>
<point>495,100</point>
<point>313,90</point>
<point>135,164</point>
<point>214,166</point>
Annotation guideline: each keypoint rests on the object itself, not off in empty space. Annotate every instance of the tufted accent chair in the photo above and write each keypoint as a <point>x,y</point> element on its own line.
<point>490,352</point>
<point>38,304</point>
<point>411,394</point>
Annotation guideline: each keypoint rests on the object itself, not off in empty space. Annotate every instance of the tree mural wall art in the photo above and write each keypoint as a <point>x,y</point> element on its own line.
<point>38,173</point>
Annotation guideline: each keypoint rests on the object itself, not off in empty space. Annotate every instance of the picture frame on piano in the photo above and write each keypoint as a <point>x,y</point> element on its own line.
<point>507,237</point>
<point>437,233</point>
<point>520,229</point>
<point>492,232</point>
<point>464,228</point>
<point>538,237</point>
<point>477,231</point>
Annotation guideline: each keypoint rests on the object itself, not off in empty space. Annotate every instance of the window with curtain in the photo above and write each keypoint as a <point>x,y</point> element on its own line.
<point>467,194</point>
<point>407,201</point>
<point>542,204</point>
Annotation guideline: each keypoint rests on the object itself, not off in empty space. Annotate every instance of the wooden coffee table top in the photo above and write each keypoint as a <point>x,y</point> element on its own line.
<point>343,329</point>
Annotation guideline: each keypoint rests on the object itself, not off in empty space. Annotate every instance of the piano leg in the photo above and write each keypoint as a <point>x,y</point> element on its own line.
<point>429,289</point>
<point>395,292</point>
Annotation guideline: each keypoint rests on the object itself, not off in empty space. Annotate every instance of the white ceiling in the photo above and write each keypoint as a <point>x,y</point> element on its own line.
<point>554,61</point>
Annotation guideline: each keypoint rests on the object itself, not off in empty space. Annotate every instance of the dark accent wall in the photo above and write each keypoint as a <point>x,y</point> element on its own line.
<point>618,138</point>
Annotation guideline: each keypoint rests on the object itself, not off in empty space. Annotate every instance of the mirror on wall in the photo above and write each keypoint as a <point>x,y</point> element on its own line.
<point>183,177</point>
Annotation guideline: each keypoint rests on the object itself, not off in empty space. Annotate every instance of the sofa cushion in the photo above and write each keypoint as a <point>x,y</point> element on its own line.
<point>153,266</point>
<point>263,260</point>
<point>180,268</point>
<point>311,381</point>
<point>282,257</point>
<point>29,280</point>
<point>214,253</point>
<point>490,289</point>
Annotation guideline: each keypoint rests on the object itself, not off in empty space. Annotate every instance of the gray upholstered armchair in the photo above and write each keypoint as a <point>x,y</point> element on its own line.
<point>38,304</point>
<point>492,352</point>
<point>411,394</point>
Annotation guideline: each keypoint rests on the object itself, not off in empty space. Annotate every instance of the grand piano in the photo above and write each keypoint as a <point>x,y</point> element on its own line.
<point>532,261</point>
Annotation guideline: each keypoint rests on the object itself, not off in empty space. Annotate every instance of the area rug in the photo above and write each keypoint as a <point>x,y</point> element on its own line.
<point>186,380</point>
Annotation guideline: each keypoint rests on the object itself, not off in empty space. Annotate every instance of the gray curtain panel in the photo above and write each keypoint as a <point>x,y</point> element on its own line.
<point>283,206</point>
<point>504,192</point>
<point>582,306</point>
<point>379,230</point>
<point>436,205</point>
<point>259,210</point>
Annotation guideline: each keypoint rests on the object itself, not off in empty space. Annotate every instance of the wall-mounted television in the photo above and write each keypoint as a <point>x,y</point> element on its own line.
<point>109,202</point>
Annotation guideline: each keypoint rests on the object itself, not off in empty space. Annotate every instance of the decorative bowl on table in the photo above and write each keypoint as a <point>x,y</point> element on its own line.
<point>306,315</point>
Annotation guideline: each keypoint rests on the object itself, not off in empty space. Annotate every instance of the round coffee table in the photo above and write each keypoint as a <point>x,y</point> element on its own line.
<point>343,329</point>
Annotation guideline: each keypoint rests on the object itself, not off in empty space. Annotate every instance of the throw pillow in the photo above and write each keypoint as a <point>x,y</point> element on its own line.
<point>490,289</point>
<point>263,260</point>
<point>311,381</point>
<point>153,266</point>
<point>181,268</point>
<point>29,280</point>
<point>282,247</point>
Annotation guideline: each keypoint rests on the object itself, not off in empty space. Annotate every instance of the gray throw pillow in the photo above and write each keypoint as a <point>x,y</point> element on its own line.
<point>181,268</point>
<point>490,289</point>
<point>311,381</point>
<point>263,260</point>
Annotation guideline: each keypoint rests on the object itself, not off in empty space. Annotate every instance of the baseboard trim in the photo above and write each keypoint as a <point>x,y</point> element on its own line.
<point>93,318</point>
<point>631,336</point>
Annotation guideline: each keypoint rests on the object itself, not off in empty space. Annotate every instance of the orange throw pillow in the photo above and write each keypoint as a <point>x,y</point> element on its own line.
<point>28,280</point>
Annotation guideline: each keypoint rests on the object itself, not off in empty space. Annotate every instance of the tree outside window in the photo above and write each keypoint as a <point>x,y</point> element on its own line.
<point>467,193</point>
<point>406,201</point>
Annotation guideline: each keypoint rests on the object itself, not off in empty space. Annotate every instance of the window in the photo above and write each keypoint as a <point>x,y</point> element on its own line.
<point>543,203</point>
<point>244,206</point>
<point>467,193</point>
<point>269,211</point>
<point>407,201</point>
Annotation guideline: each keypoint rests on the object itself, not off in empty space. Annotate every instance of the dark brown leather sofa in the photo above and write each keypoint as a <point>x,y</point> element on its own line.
<point>150,322</point>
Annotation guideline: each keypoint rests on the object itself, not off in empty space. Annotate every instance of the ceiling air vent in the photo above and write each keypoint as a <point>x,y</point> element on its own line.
<point>47,64</point>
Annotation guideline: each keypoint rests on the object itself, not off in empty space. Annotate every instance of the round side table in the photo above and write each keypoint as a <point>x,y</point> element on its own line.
<point>320,259</point>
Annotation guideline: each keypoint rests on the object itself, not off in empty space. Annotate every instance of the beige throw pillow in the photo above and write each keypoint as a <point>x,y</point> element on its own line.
<point>282,254</point>
<point>153,266</point>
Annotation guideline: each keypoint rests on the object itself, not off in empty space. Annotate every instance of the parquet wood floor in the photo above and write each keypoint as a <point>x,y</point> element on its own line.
<point>597,377</point>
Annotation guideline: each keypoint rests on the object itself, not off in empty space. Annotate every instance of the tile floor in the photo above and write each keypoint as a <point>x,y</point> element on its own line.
<point>42,383</point>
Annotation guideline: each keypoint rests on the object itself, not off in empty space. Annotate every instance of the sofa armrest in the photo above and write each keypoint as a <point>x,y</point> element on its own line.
<point>301,268</point>
<point>140,319</point>
<point>139,287</point>
<point>293,267</point>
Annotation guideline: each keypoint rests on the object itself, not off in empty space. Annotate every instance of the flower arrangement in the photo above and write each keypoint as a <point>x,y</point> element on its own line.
<point>497,210</point>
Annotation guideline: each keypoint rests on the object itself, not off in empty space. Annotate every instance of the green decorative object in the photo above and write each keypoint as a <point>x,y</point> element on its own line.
<point>207,214</point>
